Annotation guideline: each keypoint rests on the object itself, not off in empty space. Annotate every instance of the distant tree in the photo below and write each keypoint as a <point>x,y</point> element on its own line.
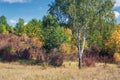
<point>20,28</point>
<point>3,29</point>
<point>3,22</point>
<point>49,20</point>
<point>34,29</point>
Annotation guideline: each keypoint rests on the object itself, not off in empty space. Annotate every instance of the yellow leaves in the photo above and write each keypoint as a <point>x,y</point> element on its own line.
<point>25,36</point>
<point>74,48</point>
<point>68,31</point>
<point>117,56</point>
<point>69,38</point>
<point>34,39</point>
<point>73,41</point>
<point>86,45</point>
<point>114,41</point>
<point>116,35</point>
<point>37,42</point>
<point>109,44</point>
<point>67,48</point>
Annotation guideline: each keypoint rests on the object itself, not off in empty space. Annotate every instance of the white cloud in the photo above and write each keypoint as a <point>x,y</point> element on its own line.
<point>117,14</point>
<point>117,3</point>
<point>13,21</point>
<point>15,1</point>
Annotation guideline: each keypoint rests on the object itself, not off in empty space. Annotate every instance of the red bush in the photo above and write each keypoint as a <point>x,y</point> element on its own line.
<point>89,61</point>
<point>55,58</point>
<point>23,47</point>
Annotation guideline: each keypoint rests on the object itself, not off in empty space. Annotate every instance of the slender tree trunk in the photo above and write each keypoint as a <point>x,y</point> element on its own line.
<point>83,45</point>
<point>80,51</point>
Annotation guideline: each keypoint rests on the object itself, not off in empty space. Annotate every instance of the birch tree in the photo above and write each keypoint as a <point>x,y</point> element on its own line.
<point>91,18</point>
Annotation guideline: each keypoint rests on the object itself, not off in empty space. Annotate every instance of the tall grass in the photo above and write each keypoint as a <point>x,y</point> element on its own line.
<point>69,71</point>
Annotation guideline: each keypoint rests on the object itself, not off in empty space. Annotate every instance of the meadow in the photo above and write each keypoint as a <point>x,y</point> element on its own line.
<point>69,71</point>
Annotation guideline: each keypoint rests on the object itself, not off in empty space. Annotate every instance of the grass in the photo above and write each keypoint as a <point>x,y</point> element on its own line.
<point>69,71</point>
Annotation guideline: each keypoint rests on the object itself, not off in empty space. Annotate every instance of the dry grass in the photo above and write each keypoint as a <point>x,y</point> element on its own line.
<point>68,71</point>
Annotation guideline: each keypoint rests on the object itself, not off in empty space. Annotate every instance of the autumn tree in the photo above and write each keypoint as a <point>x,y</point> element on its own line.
<point>113,43</point>
<point>34,29</point>
<point>93,19</point>
<point>112,46</point>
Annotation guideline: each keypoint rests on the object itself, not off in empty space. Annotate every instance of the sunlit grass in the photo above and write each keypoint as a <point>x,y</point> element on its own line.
<point>69,71</point>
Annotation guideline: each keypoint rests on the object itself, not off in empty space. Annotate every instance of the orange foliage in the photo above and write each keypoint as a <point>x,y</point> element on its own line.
<point>25,35</point>
<point>68,31</point>
<point>34,39</point>
<point>67,48</point>
<point>114,42</point>
<point>74,48</point>
<point>117,56</point>
<point>37,42</point>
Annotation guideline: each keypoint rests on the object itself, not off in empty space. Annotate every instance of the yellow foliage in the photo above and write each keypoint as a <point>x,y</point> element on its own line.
<point>114,41</point>
<point>34,39</point>
<point>117,56</point>
<point>69,38</point>
<point>73,41</point>
<point>25,36</point>
<point>86,45</point>
<point>74,48</point>
<point>68,31</point>
<point>39,44</point>
<point>67,48</point>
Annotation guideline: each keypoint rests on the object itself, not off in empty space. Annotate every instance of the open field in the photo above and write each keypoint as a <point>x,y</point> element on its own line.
<point>69,71</point>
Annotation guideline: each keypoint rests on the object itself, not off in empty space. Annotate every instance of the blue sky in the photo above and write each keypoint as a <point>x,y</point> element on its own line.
<point>28,9</point>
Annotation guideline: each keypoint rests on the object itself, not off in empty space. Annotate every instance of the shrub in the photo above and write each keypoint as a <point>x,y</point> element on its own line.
<point>9,53</point>
<point>35,42</point>
<point>55,58</point>
<point>117,56</point>
<point>21,47</point>
<point>25,54</point>
<point>91,56</point>
<point>65,48</point>
<point>89,61</point>
<point>37,54</point>
<point>105,57</point>
<point>71,57</point>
